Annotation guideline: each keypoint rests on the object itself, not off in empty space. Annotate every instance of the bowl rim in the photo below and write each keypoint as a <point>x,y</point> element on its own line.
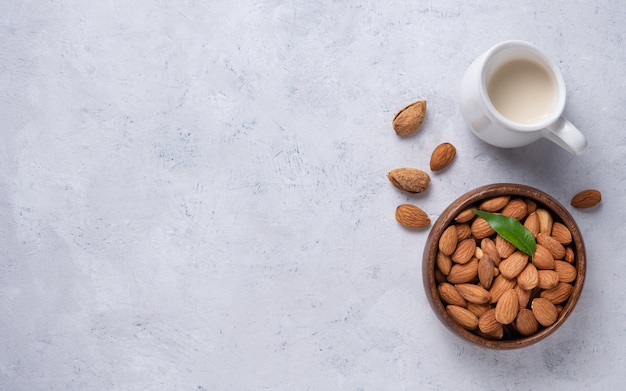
<point>470,198</point>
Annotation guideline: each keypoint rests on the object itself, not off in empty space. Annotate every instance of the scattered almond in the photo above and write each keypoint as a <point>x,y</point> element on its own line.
<point>411,216</point>
<point>586,199</point>
<point>411,180</point>
<point>409,119</point>
<point>442,156</point>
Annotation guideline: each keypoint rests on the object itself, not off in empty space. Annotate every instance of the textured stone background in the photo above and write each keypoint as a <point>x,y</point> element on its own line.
<point>193,194</point>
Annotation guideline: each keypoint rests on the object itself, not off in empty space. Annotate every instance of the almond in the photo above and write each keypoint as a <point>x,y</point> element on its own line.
<point>544,311</point>
<point>440,277</point>
<point>566,271</point>
<point>543,259</point>
<point>478,309</point>
<point>411,216</point>
<point>451,295</point>
<point>460,274</point>
<point>556,249</point>
<point>463,317</point>
<point>504,247</point>
<point>569,255</point>
<point>487,322</point>
<point>528,278</point>
<point>532,205</point>
<point>481,228</point>
<point>559,294</point>
<point>586,199</point>
<point>442,156</point>
<point>473,293</point>
<point>448,240</point>
<point>465,216</point>
<point>545,221</point>
<point>513,265</point>
<point>409,119</point>
<point>523,296</point>
<point>494,204</point>
<point>443,262</point>
<point>526,323</point>
<point>411,180</point>
<point>561,233</point>
<point>498,333</point>
<point>516,208</point>
<point>532,223</point>
<point>547,279</point>
<point>507,307</point>
<point>485,271</point>
<point>489,247</point>
<point>464,251</point>
<point>463,231</point>
<point>500,285</point>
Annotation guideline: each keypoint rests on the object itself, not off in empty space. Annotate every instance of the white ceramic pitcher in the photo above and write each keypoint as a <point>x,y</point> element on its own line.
<point>491,125</point>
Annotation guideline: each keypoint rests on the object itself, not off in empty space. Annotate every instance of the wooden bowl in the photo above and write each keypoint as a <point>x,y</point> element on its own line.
<point>474,197</point>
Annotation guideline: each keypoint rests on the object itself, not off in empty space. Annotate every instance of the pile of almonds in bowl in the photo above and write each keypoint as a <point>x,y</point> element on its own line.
<point>487,290</point>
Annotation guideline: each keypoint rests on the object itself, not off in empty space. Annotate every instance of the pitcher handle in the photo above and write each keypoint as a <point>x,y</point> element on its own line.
<point>564,134</point>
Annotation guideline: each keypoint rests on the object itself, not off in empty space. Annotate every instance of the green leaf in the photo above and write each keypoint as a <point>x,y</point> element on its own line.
<point>511,230</point>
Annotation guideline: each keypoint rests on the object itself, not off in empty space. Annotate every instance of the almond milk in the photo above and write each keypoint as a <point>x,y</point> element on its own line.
<point>522,91</point>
